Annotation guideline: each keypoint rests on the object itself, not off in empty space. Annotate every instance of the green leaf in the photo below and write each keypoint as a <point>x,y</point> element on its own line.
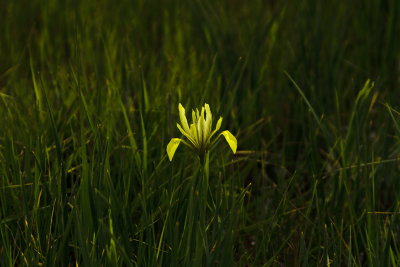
<point>232,142</point>
<point>172,146</point>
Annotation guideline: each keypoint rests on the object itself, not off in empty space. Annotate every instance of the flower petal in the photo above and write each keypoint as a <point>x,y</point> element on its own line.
<point>232,142</point>
<point>182,116</point>
<point>208,121</point>
<point>217,127</point>
<point>194,134</point>
<point>172,146</point>
<point>187,134</point>
<point>200,127</point>
<point>193,116</point>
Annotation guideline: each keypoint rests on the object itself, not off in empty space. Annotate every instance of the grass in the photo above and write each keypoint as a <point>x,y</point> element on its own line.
<point>89,97</point>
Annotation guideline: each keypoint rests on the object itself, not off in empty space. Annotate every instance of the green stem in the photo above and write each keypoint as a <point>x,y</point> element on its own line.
<point>202,247</point>
<point>204,182</point>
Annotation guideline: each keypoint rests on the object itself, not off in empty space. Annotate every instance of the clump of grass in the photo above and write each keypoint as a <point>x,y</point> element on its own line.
<point>87,102</point>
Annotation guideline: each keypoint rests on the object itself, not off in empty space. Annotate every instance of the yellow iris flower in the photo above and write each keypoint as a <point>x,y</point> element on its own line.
<point>199,132</point>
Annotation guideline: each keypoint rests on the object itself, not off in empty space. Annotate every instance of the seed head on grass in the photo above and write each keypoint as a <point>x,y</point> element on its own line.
<point>199,133</point>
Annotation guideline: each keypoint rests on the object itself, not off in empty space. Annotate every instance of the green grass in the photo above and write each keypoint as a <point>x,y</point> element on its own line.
<point>89,95</point>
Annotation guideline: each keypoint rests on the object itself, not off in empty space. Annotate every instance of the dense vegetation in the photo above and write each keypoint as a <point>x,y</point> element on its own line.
<point>89,94</point>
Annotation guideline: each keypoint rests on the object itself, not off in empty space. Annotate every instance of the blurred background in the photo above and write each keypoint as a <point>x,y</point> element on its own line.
<point>89,100</point>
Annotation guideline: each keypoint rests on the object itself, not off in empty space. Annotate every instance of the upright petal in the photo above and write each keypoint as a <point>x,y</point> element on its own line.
<point>182,116</point>
<point>200,125</point>
<point>217,127</point>
<point>193,133</point>
<point>199,131</point>
<point>197,114</point>
<point>172,146</point>
<point>194,120</point>
<point>187,134</point>
<point>208,123</point>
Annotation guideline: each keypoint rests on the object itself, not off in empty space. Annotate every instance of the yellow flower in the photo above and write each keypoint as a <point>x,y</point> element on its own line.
<point>199,133</point>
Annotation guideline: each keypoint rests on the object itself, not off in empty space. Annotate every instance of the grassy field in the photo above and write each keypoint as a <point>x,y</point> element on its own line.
<point>89,94</point>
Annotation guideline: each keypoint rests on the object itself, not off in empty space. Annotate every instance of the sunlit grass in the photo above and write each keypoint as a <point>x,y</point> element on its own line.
<point>88,102</point>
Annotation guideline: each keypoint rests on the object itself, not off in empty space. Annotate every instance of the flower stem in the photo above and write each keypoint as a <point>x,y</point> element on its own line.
<point>202,247</point>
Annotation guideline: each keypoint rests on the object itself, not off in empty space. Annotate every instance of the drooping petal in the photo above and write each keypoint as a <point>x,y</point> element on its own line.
<point>232,142</point>
<point>172,146</point>
<point>183,119</point>
<point>199,133</point>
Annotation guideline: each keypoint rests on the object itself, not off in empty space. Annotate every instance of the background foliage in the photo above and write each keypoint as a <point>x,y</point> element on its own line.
<point>89,94</point>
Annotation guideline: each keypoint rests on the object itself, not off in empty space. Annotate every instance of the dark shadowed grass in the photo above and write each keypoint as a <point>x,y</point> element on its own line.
<point>89,97</point>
